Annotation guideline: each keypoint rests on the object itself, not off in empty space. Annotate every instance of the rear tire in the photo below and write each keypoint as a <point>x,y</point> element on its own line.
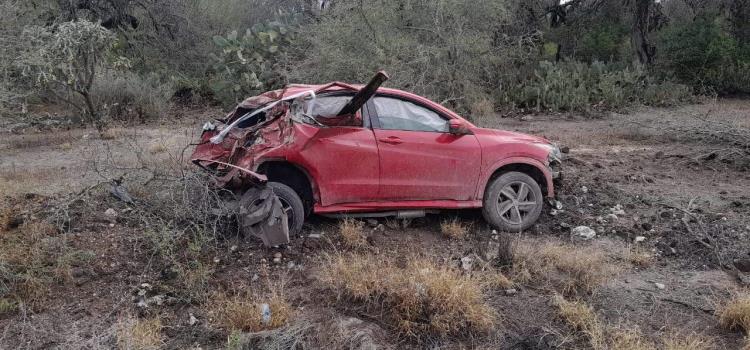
<point>292,203</point>
<point>512,202</point>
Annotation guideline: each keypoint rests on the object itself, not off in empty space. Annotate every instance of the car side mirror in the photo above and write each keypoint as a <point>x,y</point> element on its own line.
<point>458,127</point>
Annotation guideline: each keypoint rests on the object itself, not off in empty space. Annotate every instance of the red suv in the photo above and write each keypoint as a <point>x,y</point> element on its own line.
<point>348,150</point>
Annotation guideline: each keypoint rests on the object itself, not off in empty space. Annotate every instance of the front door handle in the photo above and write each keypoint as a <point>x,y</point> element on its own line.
<point>392,140</point>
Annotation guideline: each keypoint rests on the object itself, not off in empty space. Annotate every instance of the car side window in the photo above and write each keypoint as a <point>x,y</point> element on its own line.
<point>396,114</point>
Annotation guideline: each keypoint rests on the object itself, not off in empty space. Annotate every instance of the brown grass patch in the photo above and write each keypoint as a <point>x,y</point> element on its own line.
<point>419,299</point>
<point>582,318</point>
<point>352,233</point>
<point>139,334</point>
<point>454,229</point>
<point>246,313</point>
<point>640,258</point>
<point>567,268</point>
<point>157,148</point>
<point>735,315</point>
<point>693,341</point>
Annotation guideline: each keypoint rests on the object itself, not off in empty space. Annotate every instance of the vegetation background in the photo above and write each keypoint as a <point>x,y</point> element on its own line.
<point>130,59</point>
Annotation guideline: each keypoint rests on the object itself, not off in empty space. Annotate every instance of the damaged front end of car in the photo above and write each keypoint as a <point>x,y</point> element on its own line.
<point>257,128</point>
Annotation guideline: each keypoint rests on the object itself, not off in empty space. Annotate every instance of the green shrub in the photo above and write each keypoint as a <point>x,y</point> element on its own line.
<point>703,53</point>
<point>128,96</point>
<point>578,86</point>
<point>249,64</point>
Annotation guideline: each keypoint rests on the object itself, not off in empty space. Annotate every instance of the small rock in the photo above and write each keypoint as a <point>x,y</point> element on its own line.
<point>217,260</point>
<point>372,222</point>
<point>665,214</point>
<point>233,248</point>
<point>647,226</point>
<point>254,278</point>
<point>192,320</point>
<point>527,118</point>
<point>565,149</point>
<point>277,255</point>
<point>290,265</point>
<point>110,213</point>
<point>584,232</point>
<point>276,260</point>
<point>659,285</point>
<point>511,291</point>
<point>639,239</point>
<point>611,217</point>
<point>584,189</point>
<point>380,228</point>
<point>314,235</point>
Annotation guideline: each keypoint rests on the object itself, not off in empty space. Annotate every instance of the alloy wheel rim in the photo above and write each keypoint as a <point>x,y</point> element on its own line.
<point>516,202</point>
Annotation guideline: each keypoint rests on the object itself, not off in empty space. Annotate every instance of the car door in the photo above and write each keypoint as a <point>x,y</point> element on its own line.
<point>342,158</point>
<point>419,159</point>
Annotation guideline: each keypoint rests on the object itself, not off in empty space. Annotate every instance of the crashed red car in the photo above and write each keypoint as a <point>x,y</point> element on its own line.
<point>348,150</point>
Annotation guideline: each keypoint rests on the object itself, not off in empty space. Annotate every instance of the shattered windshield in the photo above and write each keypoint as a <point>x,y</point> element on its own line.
<point>324,110</point>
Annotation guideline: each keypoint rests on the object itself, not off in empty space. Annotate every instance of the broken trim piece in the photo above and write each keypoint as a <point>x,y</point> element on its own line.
<point>221,135</point>
<point>260,177</point>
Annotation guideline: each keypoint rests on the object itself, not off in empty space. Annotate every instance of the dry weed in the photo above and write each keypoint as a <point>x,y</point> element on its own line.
<point>352,233</point>
<point>419,300</point>
<point>583,319</point>
<point>139,334</point>
<point>629,339</point>
<point>640,258</point>
<point>454,229</point>
<point>157,148</point>
<point>566,268</point>
<point>691,341</point>
<point>736,314</point>
<point>250,314</point>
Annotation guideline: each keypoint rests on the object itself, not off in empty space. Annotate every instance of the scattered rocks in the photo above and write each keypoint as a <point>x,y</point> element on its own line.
<point>584,232</point>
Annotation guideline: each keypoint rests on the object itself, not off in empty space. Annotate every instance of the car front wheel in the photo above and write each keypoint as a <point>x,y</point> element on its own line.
<point>512,202</point>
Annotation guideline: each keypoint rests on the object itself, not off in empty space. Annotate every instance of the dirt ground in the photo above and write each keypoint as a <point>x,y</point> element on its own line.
<point>637,179</point>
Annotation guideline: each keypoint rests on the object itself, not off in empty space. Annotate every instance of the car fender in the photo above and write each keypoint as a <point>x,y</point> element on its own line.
<point>485,177</point>
<point>302,168</point>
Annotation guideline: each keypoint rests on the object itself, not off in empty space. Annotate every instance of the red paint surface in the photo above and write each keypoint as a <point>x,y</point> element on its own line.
<point>361,169</point>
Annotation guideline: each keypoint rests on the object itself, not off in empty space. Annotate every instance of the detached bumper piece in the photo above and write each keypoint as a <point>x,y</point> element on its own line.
<point>263,216</point>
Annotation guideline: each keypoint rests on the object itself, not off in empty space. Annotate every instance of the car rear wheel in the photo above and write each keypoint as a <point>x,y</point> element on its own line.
<point>512,202</point>
<point>292,204</point>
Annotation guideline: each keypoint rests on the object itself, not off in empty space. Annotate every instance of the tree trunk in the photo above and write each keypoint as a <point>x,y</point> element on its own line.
<point>642,48</point>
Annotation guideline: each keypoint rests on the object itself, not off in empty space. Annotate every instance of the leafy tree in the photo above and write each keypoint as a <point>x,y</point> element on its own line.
<point>64,60</point>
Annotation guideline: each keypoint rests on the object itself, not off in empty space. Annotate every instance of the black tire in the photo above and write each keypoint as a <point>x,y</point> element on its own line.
<point>290,200</point>
<point>508,213</point>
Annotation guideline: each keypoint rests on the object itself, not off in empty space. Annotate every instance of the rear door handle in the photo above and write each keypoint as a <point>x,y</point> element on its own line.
<point>392,140</point>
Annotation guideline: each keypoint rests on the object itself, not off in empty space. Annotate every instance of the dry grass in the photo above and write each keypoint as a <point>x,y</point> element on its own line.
<point>32,257</point>
<point>583,319</point>
<point>157,148</point>
<point>419,299</point>
<point>567,268</point>
<point>735,315</point>
<point>601,336</point>
<point>454,229</point>
<point>691,341</point>
<point>352,233</point>
<point>245,313</point>
<point>640,258</point>
<point>139,334</point>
